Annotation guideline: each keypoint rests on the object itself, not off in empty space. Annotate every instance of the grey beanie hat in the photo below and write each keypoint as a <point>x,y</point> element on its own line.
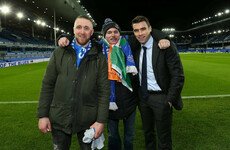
<point>109,24</point>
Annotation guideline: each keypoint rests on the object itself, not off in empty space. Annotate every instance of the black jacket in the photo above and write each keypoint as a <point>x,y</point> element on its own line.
<point>168,70</point>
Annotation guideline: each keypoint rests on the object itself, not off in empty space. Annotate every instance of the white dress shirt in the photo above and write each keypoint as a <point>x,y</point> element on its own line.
<point>151,80</point>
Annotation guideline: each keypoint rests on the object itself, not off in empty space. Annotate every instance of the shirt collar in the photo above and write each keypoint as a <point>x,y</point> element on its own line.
<point>149,43</point>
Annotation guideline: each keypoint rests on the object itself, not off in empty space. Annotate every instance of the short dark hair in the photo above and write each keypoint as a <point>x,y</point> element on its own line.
<point>84,17</point>
<point>139,19</point>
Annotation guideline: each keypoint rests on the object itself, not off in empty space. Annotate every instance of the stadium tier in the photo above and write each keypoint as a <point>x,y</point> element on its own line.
<point>7,36</point>
<point>19,46</point>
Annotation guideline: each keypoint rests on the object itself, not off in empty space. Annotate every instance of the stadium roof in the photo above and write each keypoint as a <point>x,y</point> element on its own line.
<point>176,13</point>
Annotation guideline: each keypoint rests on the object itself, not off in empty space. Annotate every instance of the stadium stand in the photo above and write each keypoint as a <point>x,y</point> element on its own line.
<point>18,46</point>
<point>206,43</point>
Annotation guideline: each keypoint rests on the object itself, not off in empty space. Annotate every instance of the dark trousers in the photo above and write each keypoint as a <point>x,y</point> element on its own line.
<point>114,142</point>
<point>62,141</point>
<point>156,113</point>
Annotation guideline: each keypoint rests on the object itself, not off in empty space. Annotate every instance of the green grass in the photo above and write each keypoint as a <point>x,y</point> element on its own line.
<point>21,83</point>
<point>206,74</point>
<point>202,124</point>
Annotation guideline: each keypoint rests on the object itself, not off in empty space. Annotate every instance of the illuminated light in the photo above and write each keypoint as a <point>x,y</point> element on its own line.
<point>20,15</point>
<point>227,11</point>
<point>219,31</point>
<point>38,22</point>
<point>43,23</point>
<point>219,14</point>
<point>99,36</point>
<point>5,9</point>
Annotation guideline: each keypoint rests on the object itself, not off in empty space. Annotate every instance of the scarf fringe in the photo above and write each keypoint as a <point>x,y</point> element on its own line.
<point>113,106</point>
<point>123,81</point>
<point>131,69</point>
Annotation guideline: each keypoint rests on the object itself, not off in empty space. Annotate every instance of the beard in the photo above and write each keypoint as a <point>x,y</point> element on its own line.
<point>82,43</point>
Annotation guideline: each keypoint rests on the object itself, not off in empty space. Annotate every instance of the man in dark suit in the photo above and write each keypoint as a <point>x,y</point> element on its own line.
<point>161,80</point>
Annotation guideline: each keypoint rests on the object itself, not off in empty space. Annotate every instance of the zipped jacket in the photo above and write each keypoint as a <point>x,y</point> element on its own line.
<point>72,97</point>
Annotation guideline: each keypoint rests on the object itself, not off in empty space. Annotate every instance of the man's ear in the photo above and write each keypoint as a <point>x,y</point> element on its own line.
<point>150,28</point>
<point>92,32</point>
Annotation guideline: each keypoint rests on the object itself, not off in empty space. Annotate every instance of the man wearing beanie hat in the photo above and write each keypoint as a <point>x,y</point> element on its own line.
<point>123,99</point>
<point>109,24</point>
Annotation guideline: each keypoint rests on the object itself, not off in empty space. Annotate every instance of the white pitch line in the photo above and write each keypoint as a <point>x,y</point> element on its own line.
<point>19,102</point>
<point>205,96</point>
<point>183,97</point>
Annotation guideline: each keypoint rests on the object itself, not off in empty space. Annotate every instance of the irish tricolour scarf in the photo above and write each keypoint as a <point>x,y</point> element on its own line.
<point>118,67</point>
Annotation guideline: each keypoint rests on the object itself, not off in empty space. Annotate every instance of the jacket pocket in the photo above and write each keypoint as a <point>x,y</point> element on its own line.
<point>60,116</point>
<point>89,116</point>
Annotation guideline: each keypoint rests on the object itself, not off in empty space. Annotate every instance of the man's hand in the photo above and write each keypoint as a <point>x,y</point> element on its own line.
<point>44,125</point>
<point>164,43</point>
<point>63,42</point>
<point>98,129</point>
<point>170,104</point>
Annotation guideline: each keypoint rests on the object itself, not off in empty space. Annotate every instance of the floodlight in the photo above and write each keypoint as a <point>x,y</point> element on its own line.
<point>227,11</point>
<point>5,9</point>
<point>57,29</point>
<point>38,22</point>
<point>43,23</point>
<point>219,14</point>
<point>20,15</point>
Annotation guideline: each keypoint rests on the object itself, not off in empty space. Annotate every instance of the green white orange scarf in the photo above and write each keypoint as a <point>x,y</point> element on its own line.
<point>118,67</point>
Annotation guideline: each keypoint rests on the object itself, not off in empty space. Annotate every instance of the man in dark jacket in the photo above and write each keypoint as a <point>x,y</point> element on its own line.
<point>124,98</point>
<point>75,90</point>
<point>161,79</point>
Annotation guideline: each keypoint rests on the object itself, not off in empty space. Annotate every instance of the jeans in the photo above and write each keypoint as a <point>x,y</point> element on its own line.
<point>114,142</point>
<point>62,141</point>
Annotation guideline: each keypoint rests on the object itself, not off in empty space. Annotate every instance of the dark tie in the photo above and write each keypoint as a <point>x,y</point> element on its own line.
<point>144,89</point>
